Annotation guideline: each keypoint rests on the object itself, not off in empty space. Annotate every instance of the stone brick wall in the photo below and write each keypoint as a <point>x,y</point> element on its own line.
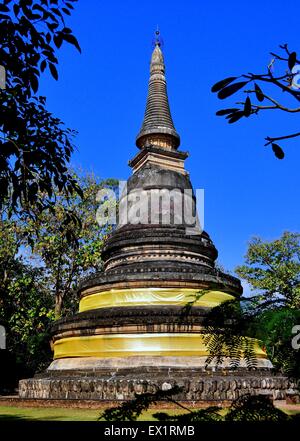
<point>206,389</point>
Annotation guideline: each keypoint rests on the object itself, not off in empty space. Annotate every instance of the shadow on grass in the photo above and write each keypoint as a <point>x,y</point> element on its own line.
<point>11,417</point>
<point>30,418</point>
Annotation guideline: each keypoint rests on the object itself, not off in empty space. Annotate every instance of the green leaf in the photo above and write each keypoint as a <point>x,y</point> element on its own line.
<point>258,93</point>
<point>279,153</point>
<point>292,60</point>
<point>230,90</point>
<point>247,107</point>
<point>223,83</point>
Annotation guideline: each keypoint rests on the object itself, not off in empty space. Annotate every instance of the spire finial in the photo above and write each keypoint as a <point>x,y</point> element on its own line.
<point>157,37</point>
<point>157,41</point>
<point>158,128</point>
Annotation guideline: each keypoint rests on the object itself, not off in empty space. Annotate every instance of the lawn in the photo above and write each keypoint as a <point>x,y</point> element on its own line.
<point>63,414</point>
<point>66,414</point>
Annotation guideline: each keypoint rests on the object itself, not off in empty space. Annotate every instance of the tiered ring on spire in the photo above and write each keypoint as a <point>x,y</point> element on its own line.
<point>158,127</point>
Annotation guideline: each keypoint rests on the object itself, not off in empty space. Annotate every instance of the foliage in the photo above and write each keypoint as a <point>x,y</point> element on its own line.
<point>186,310</point>
<point>69,250</point>
<point>35,146</point>
<point>26,306</point>
<point>256,87</point>
<point>209,414</point>
<point>227,335</point>
<point>131,410</point>
<point>10,242</point>
<point>28,311</point>
<point>274,329</point>
<point>254,408</point>
<point>273,268</point>
<point>38,283</point>
<point>245,408</point>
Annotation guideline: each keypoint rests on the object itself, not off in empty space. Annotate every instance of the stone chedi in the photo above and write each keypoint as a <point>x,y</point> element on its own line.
<point>130,334</point>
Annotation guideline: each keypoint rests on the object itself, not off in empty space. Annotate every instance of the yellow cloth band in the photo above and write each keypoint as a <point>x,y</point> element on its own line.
<point>151,296</point>
<point>124,345</point>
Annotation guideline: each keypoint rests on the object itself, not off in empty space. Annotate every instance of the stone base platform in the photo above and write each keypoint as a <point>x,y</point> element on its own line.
<point>198,386</point>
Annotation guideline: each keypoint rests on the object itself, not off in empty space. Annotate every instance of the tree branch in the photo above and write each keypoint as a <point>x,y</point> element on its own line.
<point>270,140</point>
<point>277,105</point>
<point>270,79</point>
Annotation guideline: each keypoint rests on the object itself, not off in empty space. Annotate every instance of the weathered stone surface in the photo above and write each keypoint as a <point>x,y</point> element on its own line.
<point>219,388</point>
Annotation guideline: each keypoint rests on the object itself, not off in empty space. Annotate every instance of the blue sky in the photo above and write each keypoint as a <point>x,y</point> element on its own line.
<point>102,94</point>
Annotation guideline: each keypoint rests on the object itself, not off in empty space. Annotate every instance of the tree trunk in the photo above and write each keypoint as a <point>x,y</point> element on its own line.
<point>58,306</point>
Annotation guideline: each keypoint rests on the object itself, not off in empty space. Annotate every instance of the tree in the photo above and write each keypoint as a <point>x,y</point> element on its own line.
<point>275,329</point>
<point>35,146</point>
<point>131,410</point>
<point>254,85</point>
<point>245,408</point>
<point>26,304</point>
<point>255,408</point>
<point>69,250</point>
<point>10,242</point>
<point>272,270</point>
<point>38,282</point>
<point>27,312</point>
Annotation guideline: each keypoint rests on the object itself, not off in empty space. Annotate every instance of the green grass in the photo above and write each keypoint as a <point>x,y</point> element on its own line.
<point>10,413</point>
<point>48,414</point>
<point>63,414</point>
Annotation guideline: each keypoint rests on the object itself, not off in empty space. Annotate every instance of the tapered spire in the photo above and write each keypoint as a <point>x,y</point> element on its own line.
<point>158,127</point>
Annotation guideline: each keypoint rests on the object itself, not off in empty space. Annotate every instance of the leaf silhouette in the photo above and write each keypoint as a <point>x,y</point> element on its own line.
<point>258,93</point>
<point>223,112</point>
<point>71,39</point>
<point>230,90</point>
<point>236,116</point>
<point>53,71</point>
<point>292,60</point>
<point>223,83</point>
<point>279,153</point>
<point>247,107</point>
